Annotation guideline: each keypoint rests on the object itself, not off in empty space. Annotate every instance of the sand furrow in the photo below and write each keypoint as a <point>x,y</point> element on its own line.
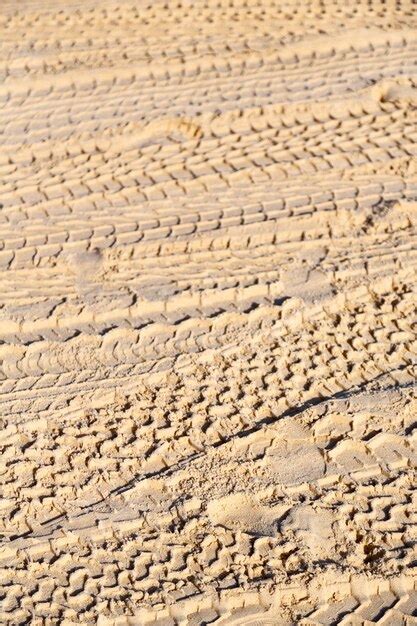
<point>208,312</point>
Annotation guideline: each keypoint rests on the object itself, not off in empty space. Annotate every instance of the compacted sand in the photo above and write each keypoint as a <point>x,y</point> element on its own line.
<point>208,253</point>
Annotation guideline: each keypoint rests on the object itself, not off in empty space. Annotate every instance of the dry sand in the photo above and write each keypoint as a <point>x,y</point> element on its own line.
<point>208,255</point>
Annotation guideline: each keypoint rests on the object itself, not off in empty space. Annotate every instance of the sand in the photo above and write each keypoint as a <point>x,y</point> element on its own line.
<point>207,313</point>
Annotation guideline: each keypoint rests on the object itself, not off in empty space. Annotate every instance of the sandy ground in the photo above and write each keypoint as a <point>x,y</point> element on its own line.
<point>207,317</point>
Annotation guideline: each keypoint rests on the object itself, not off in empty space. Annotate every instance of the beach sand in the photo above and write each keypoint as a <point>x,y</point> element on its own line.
<point>207,313</point>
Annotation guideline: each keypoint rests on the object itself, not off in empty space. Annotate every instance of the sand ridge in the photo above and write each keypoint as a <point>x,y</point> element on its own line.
<point>208,312</point>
